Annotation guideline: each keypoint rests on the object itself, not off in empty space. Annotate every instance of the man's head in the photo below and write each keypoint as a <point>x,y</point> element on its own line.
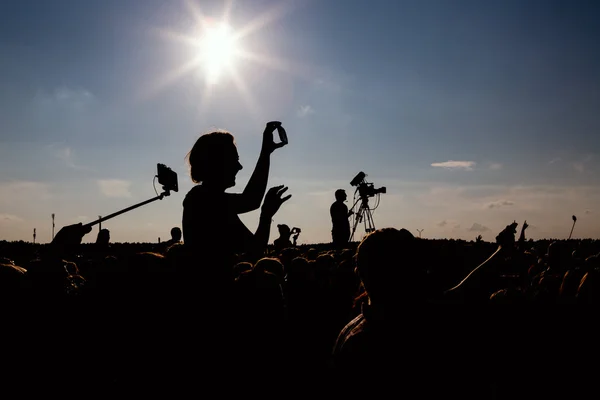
<point>340,195</point>
<point>103,237</point>
<point>389,265</point>
<point>176,233</point>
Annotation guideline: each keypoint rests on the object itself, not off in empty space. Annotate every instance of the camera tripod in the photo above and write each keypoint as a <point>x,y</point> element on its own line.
<point>363,214</point>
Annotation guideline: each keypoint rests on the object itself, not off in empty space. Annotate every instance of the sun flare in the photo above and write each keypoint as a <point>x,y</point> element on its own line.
<point>218,49</point>
<point>218,53</point>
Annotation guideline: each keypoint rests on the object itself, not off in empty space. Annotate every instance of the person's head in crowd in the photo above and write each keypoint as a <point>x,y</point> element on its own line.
<point>312,254</point>
<point>569,284</point>
<point>588,291</point>
<point>272,265</point>
<point>325,263</point>
<point>387,262</point>
<point>592,261</point>
<point>508,296</point>
<point>5,260</point>
<point>300,269</point>
<point>175,255</point>
<point>103,238</point>
<point>557,257</point>
<point>12,280</point>
<point>241,267</point>
<point>175,234</point>
<point>288,254</point>
<point>52,277</point>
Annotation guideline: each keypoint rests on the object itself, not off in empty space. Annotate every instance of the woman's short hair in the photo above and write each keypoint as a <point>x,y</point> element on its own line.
<point>208,152</point>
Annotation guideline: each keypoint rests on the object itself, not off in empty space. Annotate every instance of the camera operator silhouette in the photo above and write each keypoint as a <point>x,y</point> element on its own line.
<point>212,228</point>
<point>340,231</point>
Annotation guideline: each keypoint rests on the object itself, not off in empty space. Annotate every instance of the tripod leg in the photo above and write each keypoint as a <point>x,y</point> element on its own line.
<point>369,224</point>
<point>358,217</point>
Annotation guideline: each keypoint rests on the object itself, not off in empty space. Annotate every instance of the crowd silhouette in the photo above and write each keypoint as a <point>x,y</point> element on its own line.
<point>219,308</point>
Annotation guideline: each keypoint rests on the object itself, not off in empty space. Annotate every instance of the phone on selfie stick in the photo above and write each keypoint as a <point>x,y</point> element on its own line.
<point>166,177</point>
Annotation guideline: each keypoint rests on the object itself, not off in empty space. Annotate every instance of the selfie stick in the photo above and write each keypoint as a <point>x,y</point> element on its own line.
<point>159,197</point>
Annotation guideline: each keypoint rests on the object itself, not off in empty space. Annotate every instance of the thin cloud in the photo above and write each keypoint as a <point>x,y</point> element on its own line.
<point>10,218</point>
<point>305,111</point>
<point>114,187</point>
<point>75,98</point>
<point>66,155</point>
<point>555,160</point>
<point>23,192</point>
<point>580,166</point>
<point>466,165</point>
<point>587,212</point>
<point>476,227</point>
<point>500,203</point>
<point>495,166</point>
<point>442,223</point>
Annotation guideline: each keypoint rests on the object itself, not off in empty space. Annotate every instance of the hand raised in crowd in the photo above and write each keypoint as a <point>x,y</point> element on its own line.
<point>268,144</point>
<point>273,200</point>
<point>71,235</point>
<point>506,238</point>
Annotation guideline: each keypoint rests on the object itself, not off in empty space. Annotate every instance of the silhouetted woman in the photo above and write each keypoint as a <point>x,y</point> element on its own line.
<point>212,229</point>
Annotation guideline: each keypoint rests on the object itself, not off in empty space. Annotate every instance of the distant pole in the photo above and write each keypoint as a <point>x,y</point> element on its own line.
<point>52,226</point>
<point>420,230</point>
<point>100,223</point>
<point>33,235</point>
<point>574,220</point>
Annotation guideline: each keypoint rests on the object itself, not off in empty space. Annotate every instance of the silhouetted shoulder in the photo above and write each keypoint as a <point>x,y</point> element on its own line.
<point>195,194</point>
<point>350,333</point>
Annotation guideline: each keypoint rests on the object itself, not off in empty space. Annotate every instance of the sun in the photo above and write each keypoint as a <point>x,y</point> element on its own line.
<point>218,48</point>
<point>218,53</point>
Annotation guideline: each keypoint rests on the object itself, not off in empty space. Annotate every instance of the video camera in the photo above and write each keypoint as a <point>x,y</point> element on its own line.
<point>366,189</point>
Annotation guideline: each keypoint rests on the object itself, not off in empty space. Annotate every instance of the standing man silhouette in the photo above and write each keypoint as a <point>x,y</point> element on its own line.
<point>340,231</point>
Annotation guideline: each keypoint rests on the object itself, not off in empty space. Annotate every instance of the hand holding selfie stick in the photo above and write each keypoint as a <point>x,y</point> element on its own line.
<point>574,220</point>
<point>166,177</point>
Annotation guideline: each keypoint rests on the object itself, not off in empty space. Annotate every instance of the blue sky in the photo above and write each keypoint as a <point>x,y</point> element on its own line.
<point>471,113</point>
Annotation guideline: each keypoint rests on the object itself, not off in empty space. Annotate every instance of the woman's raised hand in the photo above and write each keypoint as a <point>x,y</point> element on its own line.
<point>274,200</point>
<point>268,144</point>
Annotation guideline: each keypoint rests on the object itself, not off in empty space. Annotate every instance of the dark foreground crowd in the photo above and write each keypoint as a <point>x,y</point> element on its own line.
<point>219,312</point>
<point>393,315</point>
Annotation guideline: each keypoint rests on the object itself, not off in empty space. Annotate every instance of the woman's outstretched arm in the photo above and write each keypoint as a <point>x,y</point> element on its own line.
<point>256,187</point>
